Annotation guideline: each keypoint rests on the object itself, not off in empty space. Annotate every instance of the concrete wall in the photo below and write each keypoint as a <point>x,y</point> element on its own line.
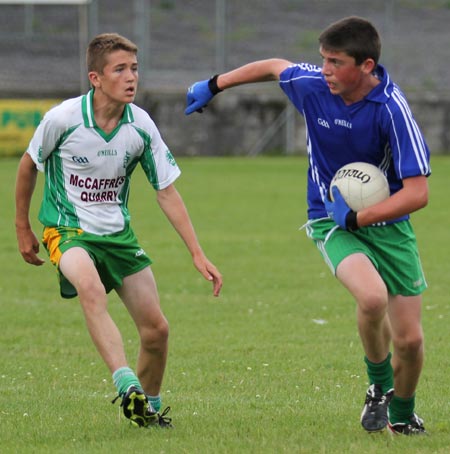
<point>240,122</point>
<point>233,124</point>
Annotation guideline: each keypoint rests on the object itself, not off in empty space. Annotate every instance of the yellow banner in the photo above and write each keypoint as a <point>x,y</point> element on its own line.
<point>18,120</point>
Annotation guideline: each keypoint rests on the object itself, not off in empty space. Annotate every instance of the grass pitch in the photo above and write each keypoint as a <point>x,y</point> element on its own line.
<point>273,365</point>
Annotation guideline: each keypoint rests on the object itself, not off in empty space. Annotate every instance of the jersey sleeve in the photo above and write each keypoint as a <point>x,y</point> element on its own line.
<point>409,149</point>
<point>158,162</point>
<point>45,138</point>
<point>299,80</point>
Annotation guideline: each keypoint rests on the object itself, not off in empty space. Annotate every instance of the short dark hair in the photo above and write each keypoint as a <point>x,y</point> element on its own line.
<point>355,36</point>
<point>102,45</point>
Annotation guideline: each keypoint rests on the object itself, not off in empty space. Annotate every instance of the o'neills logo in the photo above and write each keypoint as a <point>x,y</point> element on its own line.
<point>353,173</point>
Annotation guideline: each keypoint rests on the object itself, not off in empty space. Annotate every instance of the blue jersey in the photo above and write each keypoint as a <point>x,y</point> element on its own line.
<point>380,130</point>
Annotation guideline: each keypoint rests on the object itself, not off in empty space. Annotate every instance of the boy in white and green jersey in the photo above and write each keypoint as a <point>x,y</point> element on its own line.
<point>88,147</point>
<point>88,171</point>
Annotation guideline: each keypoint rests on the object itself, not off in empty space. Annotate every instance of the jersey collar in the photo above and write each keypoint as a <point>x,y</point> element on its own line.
<point>87,107</point>
<point>382,92</point>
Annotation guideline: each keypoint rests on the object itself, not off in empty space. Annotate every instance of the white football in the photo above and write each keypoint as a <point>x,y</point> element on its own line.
<point>361,184</point>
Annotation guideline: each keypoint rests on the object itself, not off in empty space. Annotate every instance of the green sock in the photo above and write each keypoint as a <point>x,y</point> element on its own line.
<point>124,378</point>
<point>401,409</point>
<point>155,402</point>
<point>381,373</point>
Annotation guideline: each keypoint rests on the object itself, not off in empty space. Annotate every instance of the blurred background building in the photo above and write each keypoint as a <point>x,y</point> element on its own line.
<point>42,50</point>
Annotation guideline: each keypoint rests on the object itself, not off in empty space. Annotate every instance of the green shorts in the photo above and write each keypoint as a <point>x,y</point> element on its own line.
<point>115,256</point>
<point>392,249</point>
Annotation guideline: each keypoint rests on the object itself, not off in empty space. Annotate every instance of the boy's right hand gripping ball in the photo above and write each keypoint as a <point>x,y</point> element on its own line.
<point>361,185</point>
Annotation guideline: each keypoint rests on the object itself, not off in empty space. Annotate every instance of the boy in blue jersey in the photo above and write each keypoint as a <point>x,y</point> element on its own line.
<point>354,112</point>
<point>88,148</point>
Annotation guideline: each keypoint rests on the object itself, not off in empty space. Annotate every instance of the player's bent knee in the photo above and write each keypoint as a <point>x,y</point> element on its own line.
<point>155,336</point>
<point>92,296</point>
<point>408,346</point>
<point>373,307</point>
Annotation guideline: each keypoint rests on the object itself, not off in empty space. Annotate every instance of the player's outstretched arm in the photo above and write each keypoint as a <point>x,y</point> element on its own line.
<point>25,184</point>
<point>200,93</point>
<point>173,207</point>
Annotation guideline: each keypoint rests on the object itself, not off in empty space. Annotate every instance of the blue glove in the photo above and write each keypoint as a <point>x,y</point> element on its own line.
<point>200,93</point>
<point>340,212</point>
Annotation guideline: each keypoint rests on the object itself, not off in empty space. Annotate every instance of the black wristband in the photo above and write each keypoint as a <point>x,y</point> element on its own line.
<point>212,85</point>
<point>351,222</point>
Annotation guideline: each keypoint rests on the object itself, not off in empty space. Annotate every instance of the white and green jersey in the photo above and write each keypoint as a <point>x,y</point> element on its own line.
<point>87,172</point>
